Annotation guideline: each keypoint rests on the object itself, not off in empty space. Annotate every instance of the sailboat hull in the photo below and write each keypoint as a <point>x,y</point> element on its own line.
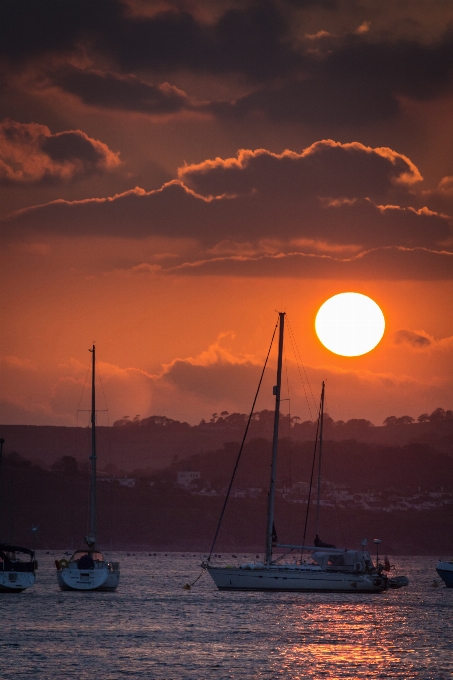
<point>445,570</point>
<point>16,581</point>
<point>295,580</point>
<point>98,579</point>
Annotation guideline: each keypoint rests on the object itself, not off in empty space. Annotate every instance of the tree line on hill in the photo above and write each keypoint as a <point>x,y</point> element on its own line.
<point>154,443</point>
<point>262,421</point>
<point>357,465</point>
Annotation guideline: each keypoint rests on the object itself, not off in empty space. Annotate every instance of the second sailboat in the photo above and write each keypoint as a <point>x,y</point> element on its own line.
<point>86,569</point>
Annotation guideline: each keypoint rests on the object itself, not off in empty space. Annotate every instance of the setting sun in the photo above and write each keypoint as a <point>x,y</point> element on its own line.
<point>350,324</point>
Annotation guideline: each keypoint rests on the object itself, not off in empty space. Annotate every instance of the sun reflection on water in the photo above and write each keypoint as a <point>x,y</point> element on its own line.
<point>347,641</point>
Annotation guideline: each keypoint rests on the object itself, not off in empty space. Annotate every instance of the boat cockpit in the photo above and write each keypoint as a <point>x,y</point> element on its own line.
<point>11,558</point>
<point>87,559</point>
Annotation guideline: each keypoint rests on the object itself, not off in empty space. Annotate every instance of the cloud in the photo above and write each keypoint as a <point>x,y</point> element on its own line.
<point>316,100</point>
<point>216,371</point>
<point>60,394</point>
<point>348,196</point>
<point>419,340</point>
<point>31,154</point>
<point>358,80</point>
<point>251,39</point>
<point>192,387</point>
<point>358,76</point>
<point>123,92</point>
<point>392,263</point>
<point>327,168</point>
<point>441,198</point>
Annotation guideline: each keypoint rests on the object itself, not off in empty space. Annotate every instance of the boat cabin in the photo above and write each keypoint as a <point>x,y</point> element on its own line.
<point>11,558</point>
<point>347,560</point>
<point>86,559</point>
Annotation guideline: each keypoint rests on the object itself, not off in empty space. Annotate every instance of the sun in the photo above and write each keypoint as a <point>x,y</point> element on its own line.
<point>350,324</point>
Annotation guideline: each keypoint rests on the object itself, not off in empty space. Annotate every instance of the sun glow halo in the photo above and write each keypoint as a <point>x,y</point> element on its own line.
<point>350,324</point>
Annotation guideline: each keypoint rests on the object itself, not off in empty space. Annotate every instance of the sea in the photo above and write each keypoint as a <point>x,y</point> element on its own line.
<point>154,627</point>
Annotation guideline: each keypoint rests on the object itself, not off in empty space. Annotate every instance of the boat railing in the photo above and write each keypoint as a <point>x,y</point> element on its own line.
<point>17,565</point>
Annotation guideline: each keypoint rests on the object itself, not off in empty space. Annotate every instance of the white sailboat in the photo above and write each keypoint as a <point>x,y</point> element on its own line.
<point>86,569</point>
<point>17,565</point>
<point>320,567</point>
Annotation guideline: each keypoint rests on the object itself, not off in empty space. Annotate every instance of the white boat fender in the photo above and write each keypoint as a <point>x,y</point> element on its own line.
<point>64,564</point>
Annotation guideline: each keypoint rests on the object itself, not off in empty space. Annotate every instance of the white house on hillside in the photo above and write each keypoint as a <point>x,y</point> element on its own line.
<point>186,477</point>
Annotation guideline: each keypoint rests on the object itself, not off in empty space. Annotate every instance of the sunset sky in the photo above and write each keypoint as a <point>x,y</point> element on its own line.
<point>173,172</point>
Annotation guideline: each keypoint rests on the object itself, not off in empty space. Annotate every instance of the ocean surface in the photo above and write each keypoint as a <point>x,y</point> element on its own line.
<point>151,627</point>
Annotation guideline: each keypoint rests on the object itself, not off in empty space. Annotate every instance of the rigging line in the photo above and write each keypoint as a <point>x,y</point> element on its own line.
<point>102,388</point>
<point>289,424</point>
<point>83,389</point>
<point>283,555</point>
<point>242,444</point>
<point>297,354</point>
<point>188,586</point>
<point>105,410</point>
<point>80,401</point>
<point>299,359</point>
<point>311,478</point>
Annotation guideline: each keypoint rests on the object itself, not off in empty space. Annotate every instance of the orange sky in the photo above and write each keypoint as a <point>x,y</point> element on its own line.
<point>173,176</point>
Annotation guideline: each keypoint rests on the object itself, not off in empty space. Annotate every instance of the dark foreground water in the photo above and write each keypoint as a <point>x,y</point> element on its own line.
<point>153,628</point>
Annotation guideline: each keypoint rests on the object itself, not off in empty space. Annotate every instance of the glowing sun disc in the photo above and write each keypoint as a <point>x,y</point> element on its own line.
<point>350,324</point>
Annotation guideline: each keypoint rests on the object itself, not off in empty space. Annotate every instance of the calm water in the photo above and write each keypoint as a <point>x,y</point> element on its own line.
<point>153,628</point>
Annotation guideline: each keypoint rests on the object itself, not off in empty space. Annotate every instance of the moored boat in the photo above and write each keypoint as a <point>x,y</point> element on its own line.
<point>86,569</point>
<point>17,568</point>
<point>445,570</point>
<point>17,564</point>
<point>320,567</point>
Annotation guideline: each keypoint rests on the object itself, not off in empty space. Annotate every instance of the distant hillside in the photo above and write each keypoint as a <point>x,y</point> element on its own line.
<point>162,517</point>
<point>156,442</point>
<point>357,465</point>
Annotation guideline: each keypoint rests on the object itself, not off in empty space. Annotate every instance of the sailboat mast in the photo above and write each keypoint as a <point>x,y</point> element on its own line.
<point>277,389</point>
<point>321,422</point>
<point>92,535</point>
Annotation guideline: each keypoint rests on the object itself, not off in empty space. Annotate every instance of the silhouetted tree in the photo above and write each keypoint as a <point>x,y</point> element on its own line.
<point>438,415</point>
<point>402,420</point>
<point>67,466</point>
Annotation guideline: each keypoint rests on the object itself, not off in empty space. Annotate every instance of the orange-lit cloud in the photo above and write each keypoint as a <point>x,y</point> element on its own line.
<point>31,154</point>
<point>342,195</point>
<point>380,263</point>
<point>421,341</point>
